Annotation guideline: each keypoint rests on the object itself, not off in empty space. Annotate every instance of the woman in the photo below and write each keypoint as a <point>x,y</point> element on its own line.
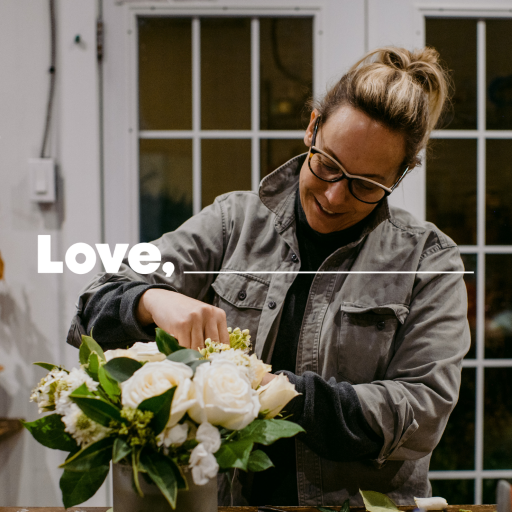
<point>376,356</point>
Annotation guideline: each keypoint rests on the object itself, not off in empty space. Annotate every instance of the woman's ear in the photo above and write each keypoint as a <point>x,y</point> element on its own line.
<point>308,136</point>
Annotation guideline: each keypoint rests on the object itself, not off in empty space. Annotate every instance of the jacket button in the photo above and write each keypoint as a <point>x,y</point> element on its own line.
<point>381,325</point>
<point>242,295</point>
<point>295,258</point>
<point>272,305</point>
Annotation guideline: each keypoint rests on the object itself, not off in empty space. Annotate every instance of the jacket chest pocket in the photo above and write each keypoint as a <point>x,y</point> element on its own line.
<point>242,297</point>
<point>365,340</point>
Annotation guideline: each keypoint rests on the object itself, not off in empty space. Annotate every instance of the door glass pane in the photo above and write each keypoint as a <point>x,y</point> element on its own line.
<point>165,186</point>
<point>225,73</point>
<point>470,280</point>
<point>498,418</point>
<point>489,490</point>
<point>499,74</point>
<point>286,71</point>
<point>226,166</point>
<point>456,450</point>
<point>498,306</point>
<point>165,74</point>
<point>451,189</point>
<point>455,40</point>
<point>499,192</point>
<point>461,492</point>
<point>276,152</point>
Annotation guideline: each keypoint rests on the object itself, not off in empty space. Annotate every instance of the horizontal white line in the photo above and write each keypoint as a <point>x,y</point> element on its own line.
<point>319,272</point>
<point>221,134</point>
<point>487,363</point>
<point>469,474</point>
<point>471,134</point>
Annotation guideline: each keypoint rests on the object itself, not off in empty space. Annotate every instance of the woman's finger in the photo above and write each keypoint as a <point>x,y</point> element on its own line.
<point>211,329</point>
<point>197,335</point>
<point>222,326</point>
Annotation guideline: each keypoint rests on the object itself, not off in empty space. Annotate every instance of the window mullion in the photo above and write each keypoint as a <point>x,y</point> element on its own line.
<point>255,103</point>
<point>196,115</point>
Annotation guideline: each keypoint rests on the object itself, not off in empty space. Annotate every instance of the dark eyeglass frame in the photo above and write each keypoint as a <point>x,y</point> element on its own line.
<point>344,174</point>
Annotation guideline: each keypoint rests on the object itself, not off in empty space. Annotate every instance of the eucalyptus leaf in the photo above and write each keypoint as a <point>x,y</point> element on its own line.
<point>378,502</point>
<point>166,343</point>
<point>186,356</point>
<point>267,432</point>
<point>122,368</point>
<point>90,457</point>
<point>97,409</point>
<point>79,487</point>
<point>49,431</point>
<point>234,454</point>
<point>259,461</point>
<point>120,450</point>
<point>160,406</point>
<point>162,471</point>
<point>110,386</point>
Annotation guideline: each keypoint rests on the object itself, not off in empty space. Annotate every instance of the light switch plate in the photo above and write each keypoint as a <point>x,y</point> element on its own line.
<point>42,180</point>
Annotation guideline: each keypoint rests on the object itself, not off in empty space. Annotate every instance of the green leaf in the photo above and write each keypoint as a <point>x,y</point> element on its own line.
<point>87,347</point>
<point>267,432</point>
<point>97,409</point>
<point>83,390</point>
<point>378,502</point>
<point>94,364</point>
<point>79,487</point>
<point>234,454</point>
<point>49,431</point>
<point>323,509</point>
<point>46,366</point>
<point>195,364</point>
<point>120,450</point>
<point>259,461</point>
<point>122,368</point>
<point>110,386</point>
<point>90,457</point>
<point>166,343</point>
<point>186,356</point>
<point>346,506</point>
<point>160,406</point>
<point>163,471</point>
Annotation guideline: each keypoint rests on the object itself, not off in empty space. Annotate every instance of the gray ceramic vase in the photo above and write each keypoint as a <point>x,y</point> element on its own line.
<point>199,498</point>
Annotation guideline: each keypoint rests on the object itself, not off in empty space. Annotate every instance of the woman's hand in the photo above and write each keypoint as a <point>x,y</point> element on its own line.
<point>190,321</point>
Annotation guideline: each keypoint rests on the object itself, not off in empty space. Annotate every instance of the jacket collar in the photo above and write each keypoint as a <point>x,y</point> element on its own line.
<point>277,192</point>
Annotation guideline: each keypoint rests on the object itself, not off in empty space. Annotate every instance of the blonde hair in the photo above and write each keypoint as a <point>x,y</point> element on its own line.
<point>405,91</point>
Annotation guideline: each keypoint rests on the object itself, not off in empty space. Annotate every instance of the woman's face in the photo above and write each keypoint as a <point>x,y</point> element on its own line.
<point>364,147</point>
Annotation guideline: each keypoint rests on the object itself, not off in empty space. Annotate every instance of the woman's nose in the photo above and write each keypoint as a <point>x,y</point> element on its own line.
<point>337,193</point>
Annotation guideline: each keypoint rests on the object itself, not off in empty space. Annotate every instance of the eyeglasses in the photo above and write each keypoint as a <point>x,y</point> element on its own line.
<point>326,168</point>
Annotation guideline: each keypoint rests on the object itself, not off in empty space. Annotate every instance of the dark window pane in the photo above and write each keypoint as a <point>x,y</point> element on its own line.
<point>459,492</point>
<point>470,280</point>
<point>225,73</point>
<point>165,74</point>
<point>489,491</point>
<point>226,166</point>
<point>455,40</point>
<point>456,450</point>
<point>165,186</point>
<point>276,152</point>
<point>499,74</point>
<point>286,71</point>
<point>498,306</point>
<point>499,192</point>
<point>451,189</point>
<point>498,418</point>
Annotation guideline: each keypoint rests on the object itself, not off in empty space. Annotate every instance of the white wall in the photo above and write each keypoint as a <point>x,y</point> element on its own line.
<point>35,309</point>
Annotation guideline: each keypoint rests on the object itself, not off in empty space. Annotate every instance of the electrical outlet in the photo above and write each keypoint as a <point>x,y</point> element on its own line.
<point>42,180</point>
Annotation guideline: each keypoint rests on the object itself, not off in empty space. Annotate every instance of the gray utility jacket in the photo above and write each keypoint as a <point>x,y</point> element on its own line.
<point>398,338</point>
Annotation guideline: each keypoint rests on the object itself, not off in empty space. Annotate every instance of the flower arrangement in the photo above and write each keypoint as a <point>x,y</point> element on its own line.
<point>164,410</point>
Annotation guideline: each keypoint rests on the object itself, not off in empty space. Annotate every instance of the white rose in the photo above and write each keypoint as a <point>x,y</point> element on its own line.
<point>258,369</point>
<point>224,396</point>
<point>275,395</point>
<point>175,435</point>
<point>209,436</point>
<point>203,464</point>
<point>139,351</point>
<point>153,379</point>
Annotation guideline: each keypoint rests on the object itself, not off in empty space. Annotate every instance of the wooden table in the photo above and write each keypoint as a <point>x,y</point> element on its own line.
<point>452,508</point>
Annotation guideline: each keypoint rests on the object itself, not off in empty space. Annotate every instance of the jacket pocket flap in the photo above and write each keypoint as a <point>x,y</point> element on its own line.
<point>398,310</point>
<point>241,290</point>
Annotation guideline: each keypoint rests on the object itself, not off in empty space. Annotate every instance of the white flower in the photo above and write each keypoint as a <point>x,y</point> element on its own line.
<point>153,379</point>
<point>68,384</point>
<point>203,464</point>
<point>224,396</point>
<point>209,436</point>
<point>176,435</point>
<point>275,395</point>
<point>257,370</point>
<point>44,393</point>
<point>434,503</point>
<point>84,430</point>
<point>139,351</point>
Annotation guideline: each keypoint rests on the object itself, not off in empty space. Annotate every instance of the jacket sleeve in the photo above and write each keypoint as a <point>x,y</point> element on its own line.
<point>410,407</point>
<point>108,303</point>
